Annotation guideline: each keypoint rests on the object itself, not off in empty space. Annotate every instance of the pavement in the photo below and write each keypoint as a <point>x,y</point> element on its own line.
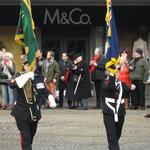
<point>65,129</point>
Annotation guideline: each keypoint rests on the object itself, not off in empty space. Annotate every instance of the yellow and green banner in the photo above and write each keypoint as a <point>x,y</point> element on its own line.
<point>25,35</point>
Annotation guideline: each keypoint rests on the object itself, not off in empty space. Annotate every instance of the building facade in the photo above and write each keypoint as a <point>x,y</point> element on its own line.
<point>75,25</point>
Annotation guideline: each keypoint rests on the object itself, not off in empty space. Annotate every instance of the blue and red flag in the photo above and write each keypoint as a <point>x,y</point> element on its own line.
<point>112,50</point>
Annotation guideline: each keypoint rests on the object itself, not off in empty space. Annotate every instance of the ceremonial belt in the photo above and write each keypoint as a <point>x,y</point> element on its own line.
<point>118,101</point>
<point>111,100</point>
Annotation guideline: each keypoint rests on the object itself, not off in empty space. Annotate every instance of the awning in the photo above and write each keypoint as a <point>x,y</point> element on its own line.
<point>77,2</point>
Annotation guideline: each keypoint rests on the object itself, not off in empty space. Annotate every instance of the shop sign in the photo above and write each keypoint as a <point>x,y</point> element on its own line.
<point>64,18</point>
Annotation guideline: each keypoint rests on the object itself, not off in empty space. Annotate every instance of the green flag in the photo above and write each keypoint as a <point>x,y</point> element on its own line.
<point>25,36</point>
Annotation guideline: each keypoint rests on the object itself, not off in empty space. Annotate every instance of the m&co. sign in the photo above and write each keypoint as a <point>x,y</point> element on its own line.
<point>74,16</point>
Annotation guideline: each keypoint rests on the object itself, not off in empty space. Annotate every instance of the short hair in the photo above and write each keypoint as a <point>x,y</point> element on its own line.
<point>64,53</point>
<point>52,53</point>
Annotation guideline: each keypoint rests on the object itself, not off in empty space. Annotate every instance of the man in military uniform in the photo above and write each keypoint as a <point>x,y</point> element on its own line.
<point>26,110</point>
<point>113,108</point>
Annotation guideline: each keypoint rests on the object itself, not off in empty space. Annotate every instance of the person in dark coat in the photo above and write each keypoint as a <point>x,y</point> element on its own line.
<point>40,78</point>
<point>113,108</point>
<point>78,87</point>
<point>39,63</point>
<point>64,64</point>
<point>97,71</point>
<point>26,110</point>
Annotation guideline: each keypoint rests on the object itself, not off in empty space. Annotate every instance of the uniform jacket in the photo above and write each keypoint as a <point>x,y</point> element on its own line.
<point>22,110</point>
<point>113,91</point>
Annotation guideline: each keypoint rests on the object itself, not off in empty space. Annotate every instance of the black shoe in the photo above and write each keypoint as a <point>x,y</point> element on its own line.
<point>148,106</point>
<point>147,115</point>
<point>82,108</point>
<point>72,107</point>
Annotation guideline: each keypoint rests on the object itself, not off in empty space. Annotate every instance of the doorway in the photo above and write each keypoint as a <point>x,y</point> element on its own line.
<point>66,39</point>
<point>66,45</point>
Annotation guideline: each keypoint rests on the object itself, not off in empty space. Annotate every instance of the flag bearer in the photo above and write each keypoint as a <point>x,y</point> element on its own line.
<point>113,108</point>
<point>26,111</point>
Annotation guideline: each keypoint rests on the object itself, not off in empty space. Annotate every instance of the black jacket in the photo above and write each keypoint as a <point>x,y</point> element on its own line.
<point>63,69</point>
<point>24,111</point>
<point>84,89</point>
<point>39,63</point>
<point>99,73</point>
<point>113,89</point>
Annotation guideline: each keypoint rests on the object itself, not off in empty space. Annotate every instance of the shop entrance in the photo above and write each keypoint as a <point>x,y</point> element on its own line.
<point>69,40</point>
<point>65,45</point>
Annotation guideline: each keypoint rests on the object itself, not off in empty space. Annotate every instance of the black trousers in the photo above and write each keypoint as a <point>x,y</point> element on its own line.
<point>113,130</point>
<point>138,95</point>
<point>27,132</point>
<point>98,89</point>
<point>61,96</point>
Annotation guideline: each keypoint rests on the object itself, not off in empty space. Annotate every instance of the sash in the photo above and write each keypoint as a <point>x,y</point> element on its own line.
<point>118,102</point>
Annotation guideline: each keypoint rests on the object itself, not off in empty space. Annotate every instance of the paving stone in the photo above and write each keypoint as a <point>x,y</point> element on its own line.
<point>65,129</point>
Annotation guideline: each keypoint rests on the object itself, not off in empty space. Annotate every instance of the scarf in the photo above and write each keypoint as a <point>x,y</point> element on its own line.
<point>95,59</point>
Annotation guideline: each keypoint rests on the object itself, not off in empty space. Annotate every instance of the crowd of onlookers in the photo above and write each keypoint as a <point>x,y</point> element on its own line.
<point>7,71</point>
<point>72,76</point>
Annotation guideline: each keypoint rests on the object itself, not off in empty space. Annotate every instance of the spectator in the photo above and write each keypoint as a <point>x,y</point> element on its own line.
<point>97,70</point>
<point>2,49</point>
<point>8,68</point>
<point>124,76</point>
<point>78,87</point>
<point>139,68</point>
<point>51,72</point>
<point>64,64</point>
<point>39,62</point>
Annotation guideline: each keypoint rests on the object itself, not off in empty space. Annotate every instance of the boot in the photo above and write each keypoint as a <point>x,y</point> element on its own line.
<point>126,103</point>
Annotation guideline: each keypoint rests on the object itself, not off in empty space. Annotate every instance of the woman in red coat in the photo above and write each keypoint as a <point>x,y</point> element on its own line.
<point>124,75</point>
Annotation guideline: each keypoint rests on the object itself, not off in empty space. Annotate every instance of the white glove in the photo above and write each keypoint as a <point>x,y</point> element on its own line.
<point>22,79</point>
<point>133,87</point>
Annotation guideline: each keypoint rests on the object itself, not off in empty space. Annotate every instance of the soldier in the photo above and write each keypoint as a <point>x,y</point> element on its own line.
<point>113,109</point>
<point>26,110</point>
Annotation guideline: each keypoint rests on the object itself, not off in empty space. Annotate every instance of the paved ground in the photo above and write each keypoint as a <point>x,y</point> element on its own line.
<point>64,129</point>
